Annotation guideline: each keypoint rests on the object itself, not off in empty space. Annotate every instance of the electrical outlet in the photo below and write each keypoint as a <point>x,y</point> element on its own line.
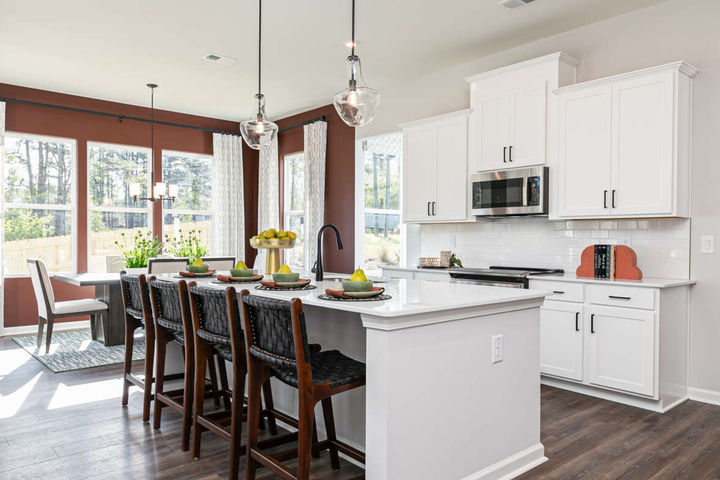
<point>497,348</point>
<point>707,244</point>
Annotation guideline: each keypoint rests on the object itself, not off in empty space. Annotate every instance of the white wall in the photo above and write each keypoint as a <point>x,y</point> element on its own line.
<point>674,30</point>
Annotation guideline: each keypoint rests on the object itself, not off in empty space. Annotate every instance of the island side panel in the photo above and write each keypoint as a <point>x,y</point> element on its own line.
<point>438,408</point>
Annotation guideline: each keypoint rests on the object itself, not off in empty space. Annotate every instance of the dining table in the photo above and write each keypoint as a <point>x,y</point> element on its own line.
<point>107,289</point>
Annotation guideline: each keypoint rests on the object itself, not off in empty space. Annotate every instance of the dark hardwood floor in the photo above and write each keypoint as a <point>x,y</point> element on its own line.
<point>71,426</point>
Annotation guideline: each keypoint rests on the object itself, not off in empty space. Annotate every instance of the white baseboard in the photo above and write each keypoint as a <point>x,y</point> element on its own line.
<point>57,327</point>
<point>705,396</point>
<point>512,466</point>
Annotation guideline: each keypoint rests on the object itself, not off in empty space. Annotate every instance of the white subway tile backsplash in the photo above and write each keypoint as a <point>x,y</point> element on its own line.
<point>662,245</point>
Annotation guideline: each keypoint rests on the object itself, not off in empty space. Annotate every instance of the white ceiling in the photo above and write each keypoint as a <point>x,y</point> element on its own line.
<point>110,49</point>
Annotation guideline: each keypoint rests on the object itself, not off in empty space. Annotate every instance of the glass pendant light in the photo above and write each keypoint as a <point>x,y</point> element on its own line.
<point>357,104</point>
<point>258,131</point>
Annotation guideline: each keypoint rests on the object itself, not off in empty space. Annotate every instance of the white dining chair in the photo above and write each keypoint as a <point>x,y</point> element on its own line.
<point>167,264</point>
<point>49,309</point>
<point>114,263</point>
<point>219,263</point>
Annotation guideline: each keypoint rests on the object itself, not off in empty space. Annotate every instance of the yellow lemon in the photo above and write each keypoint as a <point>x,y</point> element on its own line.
<point>270,233</point>
<point>292,235</point>
<point>261,234</point>
<point>240,265</point>
<point>284,269</point>
<point>198,263</point>
<point>282,234</point>
<point>358,276</point>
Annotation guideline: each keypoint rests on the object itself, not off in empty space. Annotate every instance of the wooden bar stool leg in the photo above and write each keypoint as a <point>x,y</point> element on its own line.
<point>212,372</point>
<point>238,395</point>
<point>269,406</point>
<point>41,327</point>
<point>127,365</point>
<point>49,334</point>
<point>188,386</point>
<point>330,429</point>
<point>163,337</point>
<point>306,417</point>
<point>315,451</point>
<point>222,373</point>
<point>202,352</point>
<point>257,373</point>
<point>149,361</point>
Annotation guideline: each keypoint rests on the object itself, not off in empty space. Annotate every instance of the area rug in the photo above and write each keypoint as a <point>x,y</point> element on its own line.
<point>76,350</point>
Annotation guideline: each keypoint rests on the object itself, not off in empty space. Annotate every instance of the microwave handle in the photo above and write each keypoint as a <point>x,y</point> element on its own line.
<point>524,191</point>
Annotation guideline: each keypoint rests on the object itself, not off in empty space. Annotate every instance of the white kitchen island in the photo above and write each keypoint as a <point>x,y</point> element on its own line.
<point>435,406</point>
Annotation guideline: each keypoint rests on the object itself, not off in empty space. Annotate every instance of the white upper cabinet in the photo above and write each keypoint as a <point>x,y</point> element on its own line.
<point>434,181</point>
<point>624,145</point>
<point>512,112</point>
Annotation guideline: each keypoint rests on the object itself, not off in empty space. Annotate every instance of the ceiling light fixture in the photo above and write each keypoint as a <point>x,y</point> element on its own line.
<point>357,104</point>
<point>160,190</point>
<point>259,131</point>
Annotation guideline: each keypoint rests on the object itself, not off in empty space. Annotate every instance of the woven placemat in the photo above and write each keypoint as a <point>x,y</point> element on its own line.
<point>378,298</point>
<point>306,287</point>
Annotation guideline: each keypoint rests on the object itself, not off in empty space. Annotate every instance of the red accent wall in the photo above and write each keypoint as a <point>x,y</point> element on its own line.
<point>20,306</point>
<point>339,182</point>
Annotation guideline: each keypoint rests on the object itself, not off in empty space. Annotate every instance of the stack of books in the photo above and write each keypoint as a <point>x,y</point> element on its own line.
<point>604,264</point>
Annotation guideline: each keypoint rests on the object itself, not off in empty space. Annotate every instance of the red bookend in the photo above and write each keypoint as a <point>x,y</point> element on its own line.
<point>625,263</point>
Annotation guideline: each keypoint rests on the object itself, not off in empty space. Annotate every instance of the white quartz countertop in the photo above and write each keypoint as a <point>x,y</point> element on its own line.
<point>409,297</point>
<point>649,282</point>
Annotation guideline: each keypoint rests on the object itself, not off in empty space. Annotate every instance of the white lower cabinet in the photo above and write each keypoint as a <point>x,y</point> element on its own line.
<point>618,342</point>
<point>561,340</point>
<point>621,349</point>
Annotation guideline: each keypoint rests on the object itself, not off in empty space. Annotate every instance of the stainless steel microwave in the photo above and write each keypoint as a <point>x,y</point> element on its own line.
<point>520,191</point>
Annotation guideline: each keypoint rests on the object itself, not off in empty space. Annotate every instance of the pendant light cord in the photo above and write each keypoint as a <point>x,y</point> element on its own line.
<point>152,135</point>
<point>259,46</point>
<point>353,28</point>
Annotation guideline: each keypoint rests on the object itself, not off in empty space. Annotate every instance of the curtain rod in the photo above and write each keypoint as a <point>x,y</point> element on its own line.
<point>321,118</point>
<point>115,115</point>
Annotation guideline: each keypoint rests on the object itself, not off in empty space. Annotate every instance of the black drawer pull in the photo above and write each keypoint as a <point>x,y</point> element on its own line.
<point>592,323</point>
<point>618,297</point>
<point>577,321</point>
<point>504,154</point>
<point>559,292</point>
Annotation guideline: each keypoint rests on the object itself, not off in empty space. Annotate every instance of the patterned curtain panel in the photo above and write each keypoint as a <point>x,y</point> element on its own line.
<point>315,141</point>
<point>228,196</point>
<point>268,194</point>
<point>2,216</point>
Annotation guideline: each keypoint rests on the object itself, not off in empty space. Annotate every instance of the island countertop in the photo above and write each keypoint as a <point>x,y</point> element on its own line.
<point>409,297</point>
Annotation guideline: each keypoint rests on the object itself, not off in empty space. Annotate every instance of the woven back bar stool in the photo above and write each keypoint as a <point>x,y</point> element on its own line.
<point>171,315</point>
<point>277,345</point>
<point>217,328</point>
<point>136,301</point>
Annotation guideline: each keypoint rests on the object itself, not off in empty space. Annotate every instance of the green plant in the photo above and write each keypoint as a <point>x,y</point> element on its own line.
<point>182,245</point>
<point>138,250</point>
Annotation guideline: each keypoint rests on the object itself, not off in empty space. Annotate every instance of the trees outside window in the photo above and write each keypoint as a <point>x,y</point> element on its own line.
<point>294,206</point>
<point>39,200</point>
<point>111,209</point>
<point>382,159</point>
<point>192,210</point>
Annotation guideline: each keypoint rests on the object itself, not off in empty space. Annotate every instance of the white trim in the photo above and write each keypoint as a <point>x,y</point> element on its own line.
<point>512,466</point>
<point>557,56</point>
<point>38,206</point>
<point>680,66</point>
<point>703,395</point>
<point>178,153</point>
<point>443,116</point>
<point>57,327</point>
<point>117,209</point>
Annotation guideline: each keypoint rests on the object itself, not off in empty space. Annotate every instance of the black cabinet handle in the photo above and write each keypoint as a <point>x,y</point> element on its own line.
<point>504,154</point>
<point>592,323</point>
<point>618,297</point>
<point>613,199</point>
<point>433,208</point>
<point>559,292</point>
<point>577,321</point>
<point>604,198</point>
<point>510,153</point>
<point>428,209</point>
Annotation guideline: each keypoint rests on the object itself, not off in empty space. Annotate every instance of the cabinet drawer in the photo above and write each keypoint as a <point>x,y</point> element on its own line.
<point>563,291</point>
<point>620,296</point>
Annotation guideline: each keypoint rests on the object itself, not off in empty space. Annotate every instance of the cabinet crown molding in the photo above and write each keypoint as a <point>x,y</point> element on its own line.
<point>553,57</point>
<point>680,66</point>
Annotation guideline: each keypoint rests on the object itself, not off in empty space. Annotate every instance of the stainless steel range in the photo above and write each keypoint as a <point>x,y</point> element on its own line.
<point>513,277</point>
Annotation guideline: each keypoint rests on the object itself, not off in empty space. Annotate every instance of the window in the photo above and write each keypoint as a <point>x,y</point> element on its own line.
<point>294,206</point>
<point>381,159</point>
<point>111,210</point>
<point>192,210</point>
<point>39,201</point>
